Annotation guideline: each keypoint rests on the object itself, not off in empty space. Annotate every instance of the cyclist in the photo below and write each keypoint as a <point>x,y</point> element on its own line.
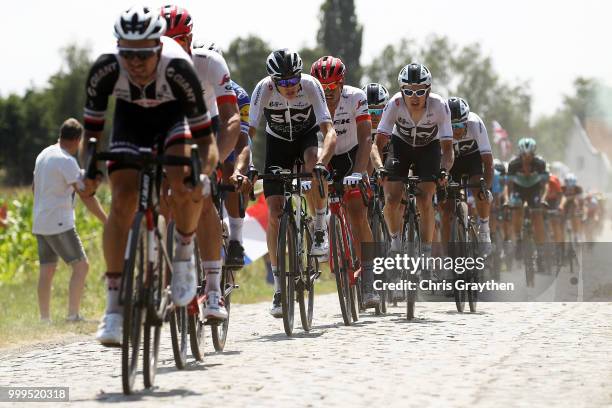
<point>221,99</point>
<point>378,96</point>
<point>348,107</point>
<point>294,106</point>
<point>158,102</point>
<point>473,157</point>
<point>554,193</point>
<point>527,179</point>
<point>418,123</point>
<point>572,204</point>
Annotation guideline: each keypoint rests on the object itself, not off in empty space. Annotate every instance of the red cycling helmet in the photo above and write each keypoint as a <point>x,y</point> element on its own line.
<point>178,20</point>
<point>328,69</point>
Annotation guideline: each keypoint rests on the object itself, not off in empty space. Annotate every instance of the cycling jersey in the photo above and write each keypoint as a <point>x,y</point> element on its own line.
<point>176,83</point>
<point>475,139</point>
<point>571,192</point>
<point>554,187</point>
<point>497,186</point>
<point>244,105</point>
<point>536,173</point>
<point>352,109</point>
<point>435,124</point>
<point>215,78</point>
<point>289,119</point>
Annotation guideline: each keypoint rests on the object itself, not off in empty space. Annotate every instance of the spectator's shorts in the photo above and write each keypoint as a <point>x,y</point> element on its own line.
<point>66,244</point>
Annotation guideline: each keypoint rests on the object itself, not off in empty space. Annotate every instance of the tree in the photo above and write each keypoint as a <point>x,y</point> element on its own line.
<point>583,103</point>
<point>246,58</point>
<point>341,35</point>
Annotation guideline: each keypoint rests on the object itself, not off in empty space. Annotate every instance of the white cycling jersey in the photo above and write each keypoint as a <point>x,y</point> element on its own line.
<point>352,109</point>
<point>215,78</point>
<point>434,124</point>
<point>289,119</point>
<point>475,139</point>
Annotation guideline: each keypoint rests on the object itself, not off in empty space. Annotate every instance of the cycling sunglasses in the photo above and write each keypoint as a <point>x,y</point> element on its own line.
<point>459,125</point>
<point>139,53</point>
<point>376,112</point>
<point>331,86</point>
<point>410,92</point>
<point>289,82</point>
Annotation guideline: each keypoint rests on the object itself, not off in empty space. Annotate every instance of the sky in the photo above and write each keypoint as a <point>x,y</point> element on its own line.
<point>547,43</point>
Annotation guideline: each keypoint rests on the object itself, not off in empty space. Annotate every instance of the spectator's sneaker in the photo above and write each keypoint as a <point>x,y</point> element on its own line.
<point>320,246</point>
<point>277,308</point>
<point>213,306</point>
<point>371,300</point>
<point>110,330</point>
<point>235,254</point>
<point>183,286</point>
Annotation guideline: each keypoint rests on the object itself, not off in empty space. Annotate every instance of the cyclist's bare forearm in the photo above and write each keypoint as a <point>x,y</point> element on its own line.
<point>329,142</point>
<point>229,129</point>
<point>364,128</point>
<point>208,153</point>
<point>376,154</point>
<point>487,163</point>
<point>243,154</point>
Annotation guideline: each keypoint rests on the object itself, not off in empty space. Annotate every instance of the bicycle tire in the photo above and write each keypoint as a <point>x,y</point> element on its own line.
<point>413,239</point>
<point>195,327</point>
<point>150,352</point>
<point>178,316</point>
<point>355,288</point>
<point>306,293</point>
<point>472,275</point>
<point>219,331</point>
<point>132,307</point>
<point>457,244</point>
<point>379,238</point>
<point>286,261</point>
<point>340,271</point>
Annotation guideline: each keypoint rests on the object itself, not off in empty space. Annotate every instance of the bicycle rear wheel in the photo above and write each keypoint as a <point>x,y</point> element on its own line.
<point>219,331</point>
<point>178,317</point>
<point>286,256</point>
<point>340,270</point>
<point>472,276</point>
<point>194,326</point>
<point>306,291</point>
<point>457,248</point>
<point>412,241</point>
<point>133,310</point>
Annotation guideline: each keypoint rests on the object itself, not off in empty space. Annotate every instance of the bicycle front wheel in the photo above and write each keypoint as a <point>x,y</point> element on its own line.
<point>310,267</point>
<point>287,261</point>
<point>457,248</point>
<point>412,240</point>
<point>133,308</point>
<point>339,268</point>
<point>219,331</point>
<point>472,276</point>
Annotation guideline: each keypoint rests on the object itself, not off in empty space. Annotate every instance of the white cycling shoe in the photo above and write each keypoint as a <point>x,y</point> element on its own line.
<point>320,246</point>
<point>183,286</point>
<point>277,309</point>
<point>110,330</point>
<point>213,306</point>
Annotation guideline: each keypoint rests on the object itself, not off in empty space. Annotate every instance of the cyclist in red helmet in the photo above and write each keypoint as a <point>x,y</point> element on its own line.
<point>348,107</point>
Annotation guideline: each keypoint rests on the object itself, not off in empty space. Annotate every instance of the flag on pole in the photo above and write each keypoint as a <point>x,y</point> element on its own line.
<point>500,137</point>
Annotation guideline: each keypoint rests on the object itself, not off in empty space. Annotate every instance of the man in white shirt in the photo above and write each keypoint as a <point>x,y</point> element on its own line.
<point>56,175</point>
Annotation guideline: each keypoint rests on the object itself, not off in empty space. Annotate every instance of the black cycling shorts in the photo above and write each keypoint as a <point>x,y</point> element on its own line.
<point>283,154</point>
<point>470,165</point>
<point>426,159</point>
<point>342,164</point>
<point>158,127</point>
<point>531,195</point>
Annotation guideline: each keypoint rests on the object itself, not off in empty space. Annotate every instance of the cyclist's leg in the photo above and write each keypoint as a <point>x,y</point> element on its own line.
<point>235,251</point>
<point>308,150</point>
<point>427,166</point>
<point>537,216</point>
<point>397,164</point>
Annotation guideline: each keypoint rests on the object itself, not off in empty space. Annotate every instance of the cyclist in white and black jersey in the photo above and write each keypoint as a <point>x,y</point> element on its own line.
<point>418,123</point>
<point>159,103</point>
<point>294,107</point>
<point>349,109</point>
<point>473,157</point>
<point>220,97</point>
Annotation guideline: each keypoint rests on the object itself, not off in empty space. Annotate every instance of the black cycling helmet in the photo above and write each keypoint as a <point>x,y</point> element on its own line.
<point>284,63</point>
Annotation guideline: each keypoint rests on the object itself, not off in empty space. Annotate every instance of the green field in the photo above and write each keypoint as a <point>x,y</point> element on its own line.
<point>19,318</point>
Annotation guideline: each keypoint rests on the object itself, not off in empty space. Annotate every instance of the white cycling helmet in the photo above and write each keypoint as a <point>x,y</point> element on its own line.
<point>376,94</point>
<point>459,108</point>
<point>140,23</point>
<point>527,145</point>
<point>208,45</point>
<point>414,74</point>
<point>570,180</point>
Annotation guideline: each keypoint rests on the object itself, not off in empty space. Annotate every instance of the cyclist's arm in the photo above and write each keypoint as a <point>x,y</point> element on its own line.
<point>259,99</point>
<point>243,154</point>
<point>329,142</point>
<point>446,138</point>
<point>380,142</point>
<point>316,96</point>
<point>229,128</point>
<point>487,163</point>
<point>484,146</point>
<point>364,132</point>
<point>187,89</point>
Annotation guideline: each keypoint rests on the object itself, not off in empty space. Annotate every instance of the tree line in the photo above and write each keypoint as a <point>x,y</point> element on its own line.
<point>30,122</point>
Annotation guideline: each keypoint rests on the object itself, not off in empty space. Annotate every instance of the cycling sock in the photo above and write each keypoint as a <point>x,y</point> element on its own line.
<point>212,271</point>
<point>277,284</point>
<point>113,285</point>
<point>484,225</point>
<point>183,246</point>
<point>320,219</point>
<point>396,243</point>
<point>235,229</point>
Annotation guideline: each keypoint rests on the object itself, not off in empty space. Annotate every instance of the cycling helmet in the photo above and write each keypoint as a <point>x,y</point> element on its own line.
<point>178,20</point>
<point>570,180</point>
<point>284,63</point>
<point>527,145</point>
<point>328,69</point>
<point>140,23</point>
<point>459,108</point>
<point>414,74</point>
<point>208,45</point>
<point>376,93</point>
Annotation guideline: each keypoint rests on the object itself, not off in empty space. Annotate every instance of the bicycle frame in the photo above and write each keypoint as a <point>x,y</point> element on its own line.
<point>337,207</point>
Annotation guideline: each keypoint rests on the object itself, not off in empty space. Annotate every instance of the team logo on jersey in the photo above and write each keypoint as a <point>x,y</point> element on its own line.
<point>361,103</point>
<point>225,79</point>
<point>244,112</point>
<point>342,121</point>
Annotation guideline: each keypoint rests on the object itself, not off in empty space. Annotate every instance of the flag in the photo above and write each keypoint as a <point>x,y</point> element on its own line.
<point>254,230</point>
<point>500,137</point>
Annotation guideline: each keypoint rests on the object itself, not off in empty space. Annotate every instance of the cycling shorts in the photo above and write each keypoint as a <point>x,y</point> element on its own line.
<point>426,159</point>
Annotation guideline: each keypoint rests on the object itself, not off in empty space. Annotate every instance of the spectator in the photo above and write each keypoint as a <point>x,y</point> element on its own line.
<point>56,175</point>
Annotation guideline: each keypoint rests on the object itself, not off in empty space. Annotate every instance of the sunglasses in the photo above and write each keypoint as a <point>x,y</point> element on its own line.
<point>331,86</point>
<point>289,82</point>
<point>410,92</point>
<point>460,125</point>
<point>139,53</point>
<point>376,112</point>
